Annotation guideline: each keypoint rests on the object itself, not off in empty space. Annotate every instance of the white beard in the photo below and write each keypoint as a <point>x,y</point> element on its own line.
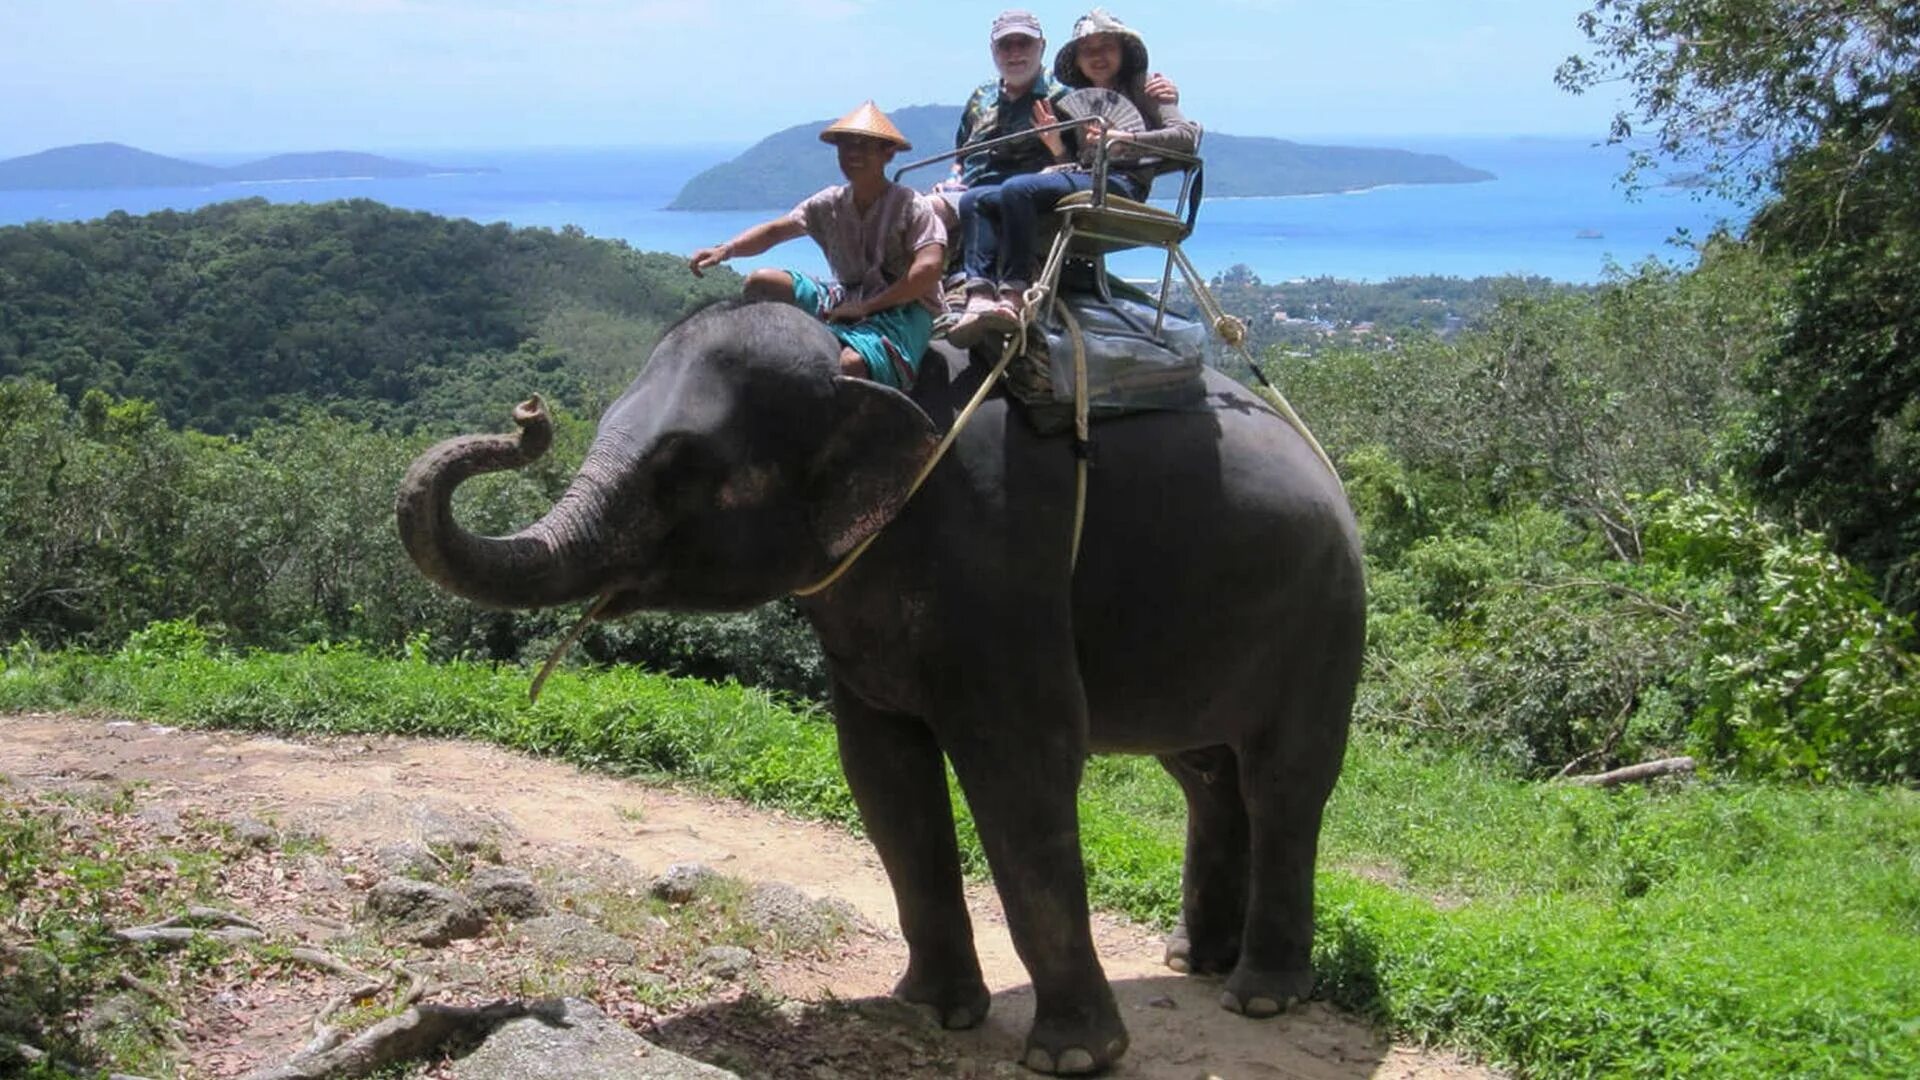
<point>1018,72</point>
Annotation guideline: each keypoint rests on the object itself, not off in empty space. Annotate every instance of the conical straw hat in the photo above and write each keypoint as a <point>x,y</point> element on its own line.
<point>866,120</point>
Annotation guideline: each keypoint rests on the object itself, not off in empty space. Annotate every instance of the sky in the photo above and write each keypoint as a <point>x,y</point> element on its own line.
<point>226,76</point>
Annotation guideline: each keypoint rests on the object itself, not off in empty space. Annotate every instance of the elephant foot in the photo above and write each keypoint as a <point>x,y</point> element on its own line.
<point>1079,1047</point>
<point>1261,994</point>
<point>955,1005</point>
<point>1212,954</point>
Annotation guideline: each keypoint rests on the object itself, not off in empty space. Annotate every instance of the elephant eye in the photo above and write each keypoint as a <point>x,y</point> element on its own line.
<point>685,471</point>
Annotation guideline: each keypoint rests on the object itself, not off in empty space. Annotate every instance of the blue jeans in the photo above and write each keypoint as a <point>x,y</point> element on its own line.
<point>1000,223</point>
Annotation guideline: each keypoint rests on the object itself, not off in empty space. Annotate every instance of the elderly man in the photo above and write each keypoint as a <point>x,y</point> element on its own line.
<point>1021,99</point>
<point>885,249</point>
<point>1006,106</point>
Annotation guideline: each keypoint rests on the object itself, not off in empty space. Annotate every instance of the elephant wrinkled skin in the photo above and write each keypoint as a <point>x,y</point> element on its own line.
<point>1215,620</point>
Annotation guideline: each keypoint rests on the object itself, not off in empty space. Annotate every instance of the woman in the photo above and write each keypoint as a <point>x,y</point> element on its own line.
<point>1003,230</point>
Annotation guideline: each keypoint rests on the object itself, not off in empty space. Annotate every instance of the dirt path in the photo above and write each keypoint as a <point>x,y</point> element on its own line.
<point>369,790</point>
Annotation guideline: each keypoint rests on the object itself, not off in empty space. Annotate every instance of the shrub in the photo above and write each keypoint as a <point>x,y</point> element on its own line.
<point>1802,671</point>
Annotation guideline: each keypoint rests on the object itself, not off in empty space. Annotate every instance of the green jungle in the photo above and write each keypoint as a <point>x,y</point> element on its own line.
<point>1674,513</point>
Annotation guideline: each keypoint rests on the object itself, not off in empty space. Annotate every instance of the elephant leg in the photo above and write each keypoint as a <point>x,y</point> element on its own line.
<point>894,769</point>
<point>1020,785</point>
<point>1213,883</point>
<point>1286,778</point>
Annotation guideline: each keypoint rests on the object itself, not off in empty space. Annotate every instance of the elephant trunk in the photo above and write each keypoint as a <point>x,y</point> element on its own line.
<point>555,560</point>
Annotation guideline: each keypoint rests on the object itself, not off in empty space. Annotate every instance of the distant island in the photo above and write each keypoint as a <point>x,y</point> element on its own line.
<point>93,166</point>
<point>785,167</point>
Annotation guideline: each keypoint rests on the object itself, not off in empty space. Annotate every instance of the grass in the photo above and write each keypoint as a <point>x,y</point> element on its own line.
<point>1708,929</point>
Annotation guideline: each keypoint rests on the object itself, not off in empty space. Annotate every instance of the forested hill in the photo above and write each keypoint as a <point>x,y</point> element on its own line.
<point>242,312</point>
<point>787,166</point>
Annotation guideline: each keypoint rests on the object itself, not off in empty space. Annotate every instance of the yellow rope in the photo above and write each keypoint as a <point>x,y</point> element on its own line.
<point>1234,333</point>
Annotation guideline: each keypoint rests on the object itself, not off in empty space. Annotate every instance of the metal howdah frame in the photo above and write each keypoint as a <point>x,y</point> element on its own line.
<point>1186,208</point>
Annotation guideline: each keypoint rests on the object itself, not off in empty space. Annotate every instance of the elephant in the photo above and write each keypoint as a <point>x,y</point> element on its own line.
<point>1214,618</point>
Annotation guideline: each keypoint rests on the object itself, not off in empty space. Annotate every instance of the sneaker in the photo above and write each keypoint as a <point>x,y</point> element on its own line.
<point>977,321</point>
<point>1002,316</point>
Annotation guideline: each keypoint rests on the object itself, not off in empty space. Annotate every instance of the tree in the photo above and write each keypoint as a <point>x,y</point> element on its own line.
<point>1812,109</point>
<point>1737,86</point>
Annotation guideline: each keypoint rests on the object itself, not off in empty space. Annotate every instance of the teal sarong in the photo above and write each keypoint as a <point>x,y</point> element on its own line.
<point>891,341</point>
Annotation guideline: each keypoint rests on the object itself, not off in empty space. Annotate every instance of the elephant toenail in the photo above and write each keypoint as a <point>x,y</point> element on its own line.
<point>1039,1060</point>
<point>1076,1060</point>
<point>1262,1006</point>
<point>1180,964</point>
<point>1230,1002</point>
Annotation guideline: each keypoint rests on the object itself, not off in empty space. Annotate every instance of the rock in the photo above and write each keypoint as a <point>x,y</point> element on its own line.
<point>726,962</point>
<point>787,914</point>
<point>72,822</point>
<point>408,860</point>
<point>118,1013</point>
<point>585,1043</point>
<point>681,882</point>
<point>454,974</point>
<point>253,832</point>
<point>570,937</point>
<point>163,819</point>
<point>584,880</point>
<point>505,891</point>
<point>650,982</point>
<point>320,877</point>
<point>455,830</point>
<point>425,913</point>
<point>895,1013</point>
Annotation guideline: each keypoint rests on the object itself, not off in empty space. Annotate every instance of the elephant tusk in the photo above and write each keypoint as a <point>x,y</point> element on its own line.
<point>566,643</point>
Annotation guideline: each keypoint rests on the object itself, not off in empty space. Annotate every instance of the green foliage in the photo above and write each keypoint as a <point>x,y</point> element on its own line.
<point>1735,85</point>
<point>1836,441</point>
<point>1812,108</point>
<point>1527,641</point>
<point>173,639</point>
<point>242,313</point>
<point>1801,671</point>
<point>1579,399</point>
<point>114,523</point>
<point>1528,601</point>
<point>771,647</point>
<point>1746,643</point>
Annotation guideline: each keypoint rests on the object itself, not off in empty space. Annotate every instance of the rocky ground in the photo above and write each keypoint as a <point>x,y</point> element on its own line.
<point>365,896</point>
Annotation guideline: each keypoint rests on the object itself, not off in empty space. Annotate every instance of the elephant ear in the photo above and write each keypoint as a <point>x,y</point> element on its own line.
<point>862,474</point>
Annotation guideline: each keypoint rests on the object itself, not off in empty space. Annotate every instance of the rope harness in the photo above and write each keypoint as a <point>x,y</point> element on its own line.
<point>1234,332</point>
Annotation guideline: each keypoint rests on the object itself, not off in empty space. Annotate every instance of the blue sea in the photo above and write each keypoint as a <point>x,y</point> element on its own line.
<point>1555,210</point>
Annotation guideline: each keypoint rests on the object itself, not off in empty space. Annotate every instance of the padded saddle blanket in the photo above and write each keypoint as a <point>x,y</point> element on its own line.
<point>1128,369</point>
